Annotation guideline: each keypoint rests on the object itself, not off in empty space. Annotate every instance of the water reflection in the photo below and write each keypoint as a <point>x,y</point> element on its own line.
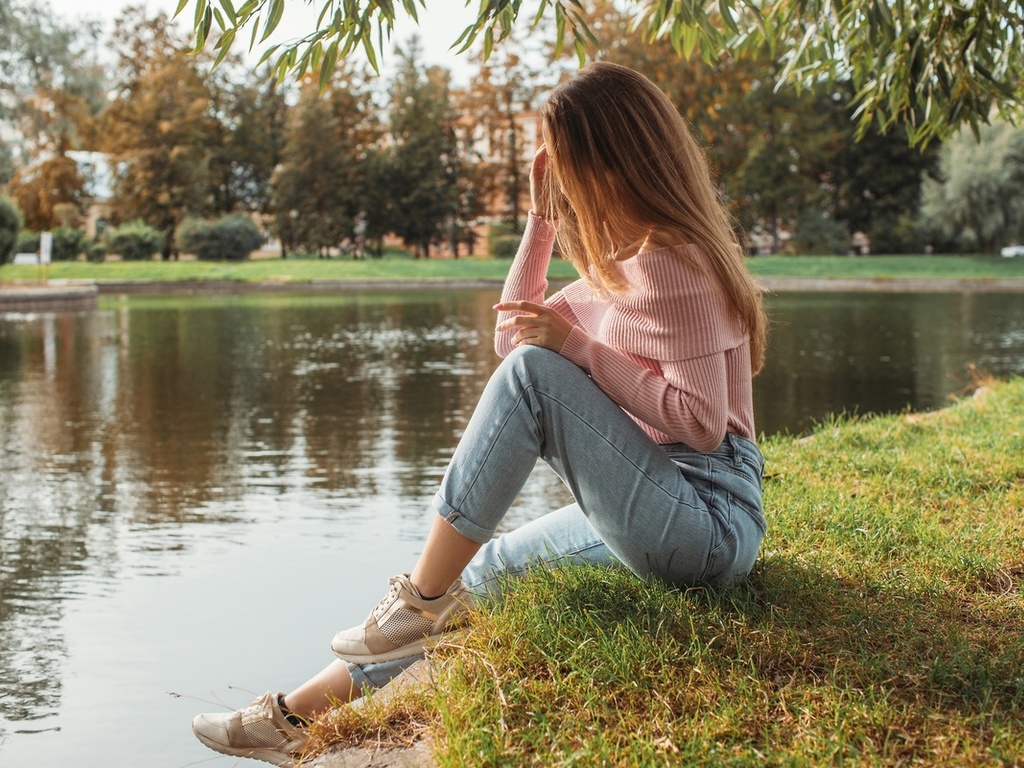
<point>134,436</point>
<point>878,353</point>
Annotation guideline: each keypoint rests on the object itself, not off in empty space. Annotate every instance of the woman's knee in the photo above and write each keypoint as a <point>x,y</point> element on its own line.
<point>532,363</point>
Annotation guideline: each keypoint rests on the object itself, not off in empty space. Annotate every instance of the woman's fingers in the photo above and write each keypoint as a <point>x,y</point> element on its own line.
<point>521,306</point>
<point>533,312</point>
<point>537,324</point>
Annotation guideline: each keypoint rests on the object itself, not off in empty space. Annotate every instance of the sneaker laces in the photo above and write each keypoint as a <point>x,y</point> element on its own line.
<point>261,706</point>
<point>395,582</point>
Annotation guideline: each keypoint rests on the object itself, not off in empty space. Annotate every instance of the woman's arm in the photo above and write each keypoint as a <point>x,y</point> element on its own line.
<point>527,280</point>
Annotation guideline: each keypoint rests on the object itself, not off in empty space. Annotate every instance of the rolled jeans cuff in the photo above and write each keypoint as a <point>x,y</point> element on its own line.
<point>458,521</point>
<point>375,676</point>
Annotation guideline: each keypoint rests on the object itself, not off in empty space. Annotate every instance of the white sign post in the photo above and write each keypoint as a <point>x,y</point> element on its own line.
<point>45,252</point>
<point>45,247</point>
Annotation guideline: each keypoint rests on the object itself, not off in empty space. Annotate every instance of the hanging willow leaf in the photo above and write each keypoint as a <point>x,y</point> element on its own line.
<point>276,12</point>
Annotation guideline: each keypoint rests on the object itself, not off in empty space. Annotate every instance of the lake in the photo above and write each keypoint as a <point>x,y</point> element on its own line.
<point>197,493</point>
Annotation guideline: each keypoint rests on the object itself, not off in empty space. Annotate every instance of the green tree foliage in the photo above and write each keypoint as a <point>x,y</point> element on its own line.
<point>229,238</point>
<point>134,241</point>
<point>875,183</point>
<point>426,166</point>
<point>329,164</point>
<point>251,110</point>
<point>815,232</point>
<point>978,201</point>
<point>28,242</point>
<point>376,199</point>
<point>10,226</point>
<point>68,242</point>
<point>780,153</point>
<point>51,81</point>
<point>6,163</point>
<point>503,89</point>
<point>158,129</point>
<point>768,147</point>
<point>928,66</point>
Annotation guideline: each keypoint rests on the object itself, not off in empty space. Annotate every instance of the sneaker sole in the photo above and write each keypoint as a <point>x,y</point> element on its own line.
<point>269,755</point>
<point>415,648</point>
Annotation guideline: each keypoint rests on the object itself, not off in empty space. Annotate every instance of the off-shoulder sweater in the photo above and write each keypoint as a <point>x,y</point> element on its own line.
<point>670,349</point>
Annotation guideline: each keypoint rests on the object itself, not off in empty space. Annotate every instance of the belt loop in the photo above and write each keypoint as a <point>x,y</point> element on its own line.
<point>737,457</point>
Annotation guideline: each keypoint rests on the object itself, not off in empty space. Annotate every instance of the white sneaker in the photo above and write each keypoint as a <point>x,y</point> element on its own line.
<point>260,731</point>
<point>402,624</point>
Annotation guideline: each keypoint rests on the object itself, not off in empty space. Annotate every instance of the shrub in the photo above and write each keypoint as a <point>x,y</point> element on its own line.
<point>134,241</point>
<point>817,233</point>
<point>95,250</point>
<point>67,244</point>
<point>893,233</point>
<point>10,225</point>
<point>231,237</point>
<point>505,247</point>
<point>503,240</point>
<point>28,242</point>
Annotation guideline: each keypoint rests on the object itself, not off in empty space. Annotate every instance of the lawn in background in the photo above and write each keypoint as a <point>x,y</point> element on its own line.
<point>398,266</point>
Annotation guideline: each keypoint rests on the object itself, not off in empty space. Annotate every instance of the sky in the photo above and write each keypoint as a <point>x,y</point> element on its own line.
<point>439,26</point>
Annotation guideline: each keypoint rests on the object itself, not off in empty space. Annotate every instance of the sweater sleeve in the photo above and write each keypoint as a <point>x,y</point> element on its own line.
<point>527,277</point>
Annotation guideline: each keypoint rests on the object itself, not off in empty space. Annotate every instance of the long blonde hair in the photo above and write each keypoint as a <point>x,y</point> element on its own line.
<point>625,168</point>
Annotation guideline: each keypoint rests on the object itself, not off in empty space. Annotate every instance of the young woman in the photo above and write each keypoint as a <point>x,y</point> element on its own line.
<point>633,384</point>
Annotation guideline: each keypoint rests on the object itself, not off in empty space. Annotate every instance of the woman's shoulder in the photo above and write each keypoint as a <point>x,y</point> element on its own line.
<point>679,305</point>
<point>669,271</point>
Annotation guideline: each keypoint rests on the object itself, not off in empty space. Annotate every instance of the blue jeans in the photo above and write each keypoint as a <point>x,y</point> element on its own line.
<point>666,511</point>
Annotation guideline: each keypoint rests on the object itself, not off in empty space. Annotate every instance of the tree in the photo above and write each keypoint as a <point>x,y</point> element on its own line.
<point>6,163</point>
<point>875,182</point>
<point>979,201</point>
<point>928,66</point>
<point>252,112</point>
<point>768,146</point>
<point>10,225</point>
<point>51,82</point>
<point>159,130</point>
<point>134,241</point>
<point>324,179</point>
<point>425,162</point>
<point>504,88</point>
<point>51,88</point>
<point>42,188</point>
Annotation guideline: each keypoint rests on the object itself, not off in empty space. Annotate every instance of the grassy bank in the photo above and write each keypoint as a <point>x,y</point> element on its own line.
<point>395,267</point>
<point>883,625</point>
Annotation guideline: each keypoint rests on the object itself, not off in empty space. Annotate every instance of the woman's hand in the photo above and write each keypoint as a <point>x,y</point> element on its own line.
<point>540,326</point>
<point>538,182</point>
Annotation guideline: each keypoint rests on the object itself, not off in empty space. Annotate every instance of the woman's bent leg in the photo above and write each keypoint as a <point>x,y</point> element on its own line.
<point>562,537</point>
<point>640,503</point>
<point>558,538</point>
<point>332,684</point>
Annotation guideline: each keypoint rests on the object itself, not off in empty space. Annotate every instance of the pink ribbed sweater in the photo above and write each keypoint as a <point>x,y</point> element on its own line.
<point>670,350</point>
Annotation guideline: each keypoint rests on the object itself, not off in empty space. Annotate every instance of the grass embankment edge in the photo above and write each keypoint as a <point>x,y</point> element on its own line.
<point>883,625</point>
<point>301,272</point>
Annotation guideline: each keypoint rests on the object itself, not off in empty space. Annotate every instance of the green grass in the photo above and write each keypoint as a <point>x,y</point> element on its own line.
<point>395,267</point>
<point>883,624</point>
<point>967,267</point>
